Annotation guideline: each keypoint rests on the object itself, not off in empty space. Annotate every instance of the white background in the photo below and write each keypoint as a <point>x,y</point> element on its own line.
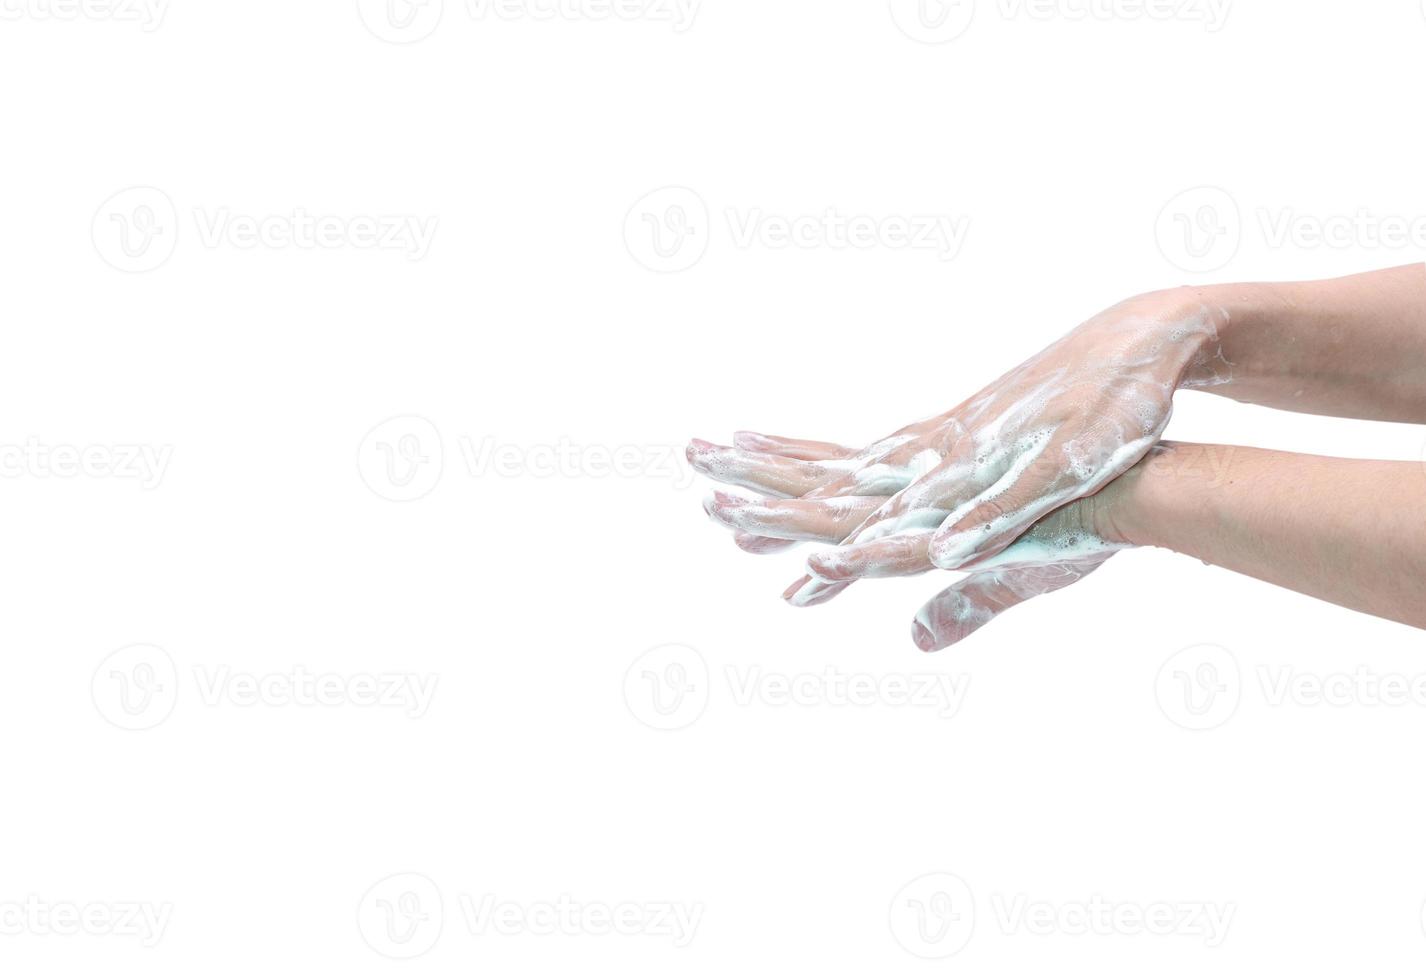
<point>795,831</point>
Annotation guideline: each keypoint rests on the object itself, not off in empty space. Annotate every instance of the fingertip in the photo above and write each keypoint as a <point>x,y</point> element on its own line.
<point>812,591</point>
<point>830,566</point>
<point>755,544</point>
<point>695,449</point>
<point>924,639</point>
<point>952,550</point>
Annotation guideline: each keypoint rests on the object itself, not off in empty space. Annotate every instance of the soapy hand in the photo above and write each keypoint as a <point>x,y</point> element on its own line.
<point>1055,552</point>
<point>956,489</point>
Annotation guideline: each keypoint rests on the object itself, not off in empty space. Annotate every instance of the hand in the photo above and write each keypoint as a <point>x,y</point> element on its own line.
<point>1057,551</point>
<point>1055,429</point>
<point>955,489</point>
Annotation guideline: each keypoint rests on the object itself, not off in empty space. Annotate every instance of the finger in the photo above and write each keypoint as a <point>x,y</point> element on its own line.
<point>807,449</point>
<point>809,591</point>
<point>764,473</point>
<point>965,607</point>
<point>829,520</point>
<point>904,553</point>
<point>751,543</point>
<point>756,545</point>
<point>1027,492</point>
<point>1057,539</point>
<point>895,539</point>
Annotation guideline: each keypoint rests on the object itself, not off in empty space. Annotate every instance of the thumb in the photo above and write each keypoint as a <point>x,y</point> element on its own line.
<point>975,600</point>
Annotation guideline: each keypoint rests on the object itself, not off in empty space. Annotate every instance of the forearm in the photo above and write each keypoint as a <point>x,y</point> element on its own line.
<point>1347,531</point>
<point>1352,347</point>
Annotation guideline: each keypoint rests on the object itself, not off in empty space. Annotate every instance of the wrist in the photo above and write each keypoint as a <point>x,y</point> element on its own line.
<point>1171,486</point>
<point>1243,345</point>
<point>1216,321</point>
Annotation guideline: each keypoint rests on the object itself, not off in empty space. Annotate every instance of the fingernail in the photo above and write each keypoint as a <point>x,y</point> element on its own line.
<point>725,499</point>
<point>697,447</point>
<point>923,637</point>
<point>829,565</point>
<point>952,551</point>
<point>792,589</point>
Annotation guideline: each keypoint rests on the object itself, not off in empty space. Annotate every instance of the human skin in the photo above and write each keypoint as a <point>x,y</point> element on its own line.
<point>1348,531</point>
<point>1354,346</point>
<point>1344,530</point>
<point>1096,401</point>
